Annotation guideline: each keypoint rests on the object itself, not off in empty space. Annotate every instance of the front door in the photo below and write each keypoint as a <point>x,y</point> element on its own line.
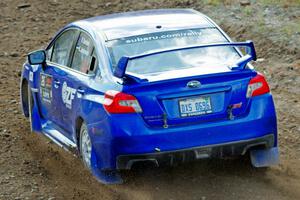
<point>58,57</point>
<point>48,95</point>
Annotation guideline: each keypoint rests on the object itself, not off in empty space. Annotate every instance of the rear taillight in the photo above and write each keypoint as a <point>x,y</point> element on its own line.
<point>257,86</point>
<point>118,102</point>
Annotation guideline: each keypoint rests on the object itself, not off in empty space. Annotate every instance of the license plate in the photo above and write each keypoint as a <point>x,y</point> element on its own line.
<point>195,106</point>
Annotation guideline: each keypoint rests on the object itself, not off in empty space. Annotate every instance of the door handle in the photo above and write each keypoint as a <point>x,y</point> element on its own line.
<point>81,91</point>
<point>56,83</point>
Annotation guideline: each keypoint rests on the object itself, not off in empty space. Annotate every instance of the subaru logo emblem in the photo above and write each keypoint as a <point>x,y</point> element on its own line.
<point>193,84</point>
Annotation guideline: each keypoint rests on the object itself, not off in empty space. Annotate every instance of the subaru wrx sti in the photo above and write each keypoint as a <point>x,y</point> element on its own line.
<point>157,86</point>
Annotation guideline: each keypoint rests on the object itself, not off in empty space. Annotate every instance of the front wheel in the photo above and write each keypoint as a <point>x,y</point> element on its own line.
<point>85,146</point>
<point>29,106</point>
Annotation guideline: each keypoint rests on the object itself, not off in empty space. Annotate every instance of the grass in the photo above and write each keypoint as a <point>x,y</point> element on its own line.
<point>213,2</point>
<point>262,2</point>
<point>280,2</point>
<point>290,28</point>
<point>248,11</point>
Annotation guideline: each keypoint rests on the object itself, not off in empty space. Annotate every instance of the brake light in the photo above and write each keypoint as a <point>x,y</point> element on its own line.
<point>257,86</point>
<point>118,102</point>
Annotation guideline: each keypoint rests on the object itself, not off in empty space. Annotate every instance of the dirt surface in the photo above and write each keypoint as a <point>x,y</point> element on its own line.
<point>31,167</point>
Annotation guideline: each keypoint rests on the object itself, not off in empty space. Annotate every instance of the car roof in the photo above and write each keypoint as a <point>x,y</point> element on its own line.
<point>128,24</point>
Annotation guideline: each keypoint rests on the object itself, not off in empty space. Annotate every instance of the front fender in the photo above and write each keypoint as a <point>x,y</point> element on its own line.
<point>29,75</point>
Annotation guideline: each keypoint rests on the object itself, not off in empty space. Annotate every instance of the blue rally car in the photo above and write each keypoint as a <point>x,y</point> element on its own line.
<point>156,86</point>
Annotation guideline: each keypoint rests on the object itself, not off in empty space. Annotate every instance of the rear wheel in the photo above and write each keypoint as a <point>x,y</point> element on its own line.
<point>85,146</point>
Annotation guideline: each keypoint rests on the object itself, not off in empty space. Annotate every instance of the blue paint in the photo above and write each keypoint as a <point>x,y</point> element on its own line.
<point>113,135</point>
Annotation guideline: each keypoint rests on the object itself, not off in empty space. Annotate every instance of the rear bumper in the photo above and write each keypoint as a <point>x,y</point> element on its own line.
<point>185,155</point>
<point>119,137</point>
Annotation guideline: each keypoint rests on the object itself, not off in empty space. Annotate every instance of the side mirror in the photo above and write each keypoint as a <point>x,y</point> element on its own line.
<point>37,57</point>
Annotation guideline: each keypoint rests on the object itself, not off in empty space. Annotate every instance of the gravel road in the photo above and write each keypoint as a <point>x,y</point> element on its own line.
<point>31,167</point>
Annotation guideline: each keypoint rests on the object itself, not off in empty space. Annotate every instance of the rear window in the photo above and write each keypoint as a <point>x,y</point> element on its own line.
<point>218,58</point>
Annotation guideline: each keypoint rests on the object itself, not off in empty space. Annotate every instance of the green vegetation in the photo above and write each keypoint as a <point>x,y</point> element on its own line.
<point>290,28</point>
<point>213,2</point>
<point>262,2</point>
<point>279,2</point>
<point>248,10</point>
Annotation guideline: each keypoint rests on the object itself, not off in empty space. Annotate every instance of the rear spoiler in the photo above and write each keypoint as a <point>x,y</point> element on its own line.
<point>240,64</point>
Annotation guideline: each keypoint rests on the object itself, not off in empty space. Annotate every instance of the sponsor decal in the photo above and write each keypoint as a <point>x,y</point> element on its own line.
<point>46,87</point>
<point>84,41</point>
<point>163,35</point>
<point>68,95</point>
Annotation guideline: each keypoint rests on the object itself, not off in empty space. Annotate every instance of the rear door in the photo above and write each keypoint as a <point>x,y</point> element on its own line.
<point>76,80</point>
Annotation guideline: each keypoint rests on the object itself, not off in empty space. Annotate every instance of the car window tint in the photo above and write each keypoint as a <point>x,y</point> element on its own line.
<point>49,53</point>
<point>83,54</point>
<point>63,47</point>
<point>199,60</point>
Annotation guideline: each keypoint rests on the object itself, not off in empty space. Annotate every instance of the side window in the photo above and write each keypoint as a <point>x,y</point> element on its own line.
<point>63,47</point>
<point>84,58</point>
<point>49,53</point>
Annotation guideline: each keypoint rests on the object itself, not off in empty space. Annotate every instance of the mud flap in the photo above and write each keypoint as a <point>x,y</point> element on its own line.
<point>105,177</point>
<point>35,122</point>
<point>264,157</point>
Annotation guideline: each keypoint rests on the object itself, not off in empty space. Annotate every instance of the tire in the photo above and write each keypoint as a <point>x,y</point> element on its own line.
<point>30,106</point>
<point>85,149</point>
<point>85,146</point>
<point>24,98</point>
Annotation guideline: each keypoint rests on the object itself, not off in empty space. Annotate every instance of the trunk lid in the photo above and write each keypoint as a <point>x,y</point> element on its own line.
<point>220,96</point>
